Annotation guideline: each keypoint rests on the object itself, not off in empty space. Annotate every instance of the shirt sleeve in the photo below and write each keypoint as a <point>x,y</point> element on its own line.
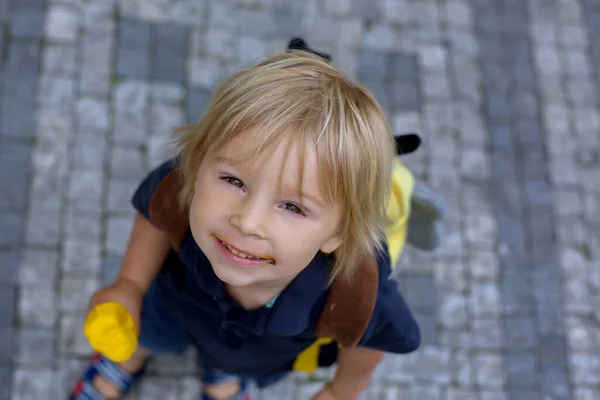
<point>143,194</point>
<point>393,328</point>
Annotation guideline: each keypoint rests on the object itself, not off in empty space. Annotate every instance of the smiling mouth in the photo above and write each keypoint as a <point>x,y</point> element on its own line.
<point>242,254</point>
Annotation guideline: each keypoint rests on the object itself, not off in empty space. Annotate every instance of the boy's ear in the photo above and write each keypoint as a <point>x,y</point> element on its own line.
<point>331,244</point>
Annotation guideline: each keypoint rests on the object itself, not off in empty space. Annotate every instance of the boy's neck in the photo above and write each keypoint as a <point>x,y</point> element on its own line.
<point>256,295</point>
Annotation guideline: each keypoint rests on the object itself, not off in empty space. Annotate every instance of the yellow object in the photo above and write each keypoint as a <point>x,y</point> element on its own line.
<point>308,360</point>
<point>111,330</point>
<point>398,211</point>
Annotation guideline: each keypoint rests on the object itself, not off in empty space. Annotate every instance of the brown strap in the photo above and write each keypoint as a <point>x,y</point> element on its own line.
<point>165,211</point>
<point>350,304</point>
<point>348,308</point>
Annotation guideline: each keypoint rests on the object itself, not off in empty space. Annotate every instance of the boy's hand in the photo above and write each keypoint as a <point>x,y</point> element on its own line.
<point>123,291</point>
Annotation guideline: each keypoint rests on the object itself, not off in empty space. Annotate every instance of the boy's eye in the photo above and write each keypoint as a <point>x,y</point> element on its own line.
<point>234,181</point>
<point>293,208</point>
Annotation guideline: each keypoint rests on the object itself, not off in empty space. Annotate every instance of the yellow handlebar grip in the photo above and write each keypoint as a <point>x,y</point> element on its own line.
<point>111,330</point>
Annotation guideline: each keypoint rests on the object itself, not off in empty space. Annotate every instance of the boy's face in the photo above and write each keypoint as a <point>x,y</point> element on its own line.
<point>249,220</point>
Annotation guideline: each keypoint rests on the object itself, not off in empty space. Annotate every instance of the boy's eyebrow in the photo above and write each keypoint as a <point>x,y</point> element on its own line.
<point>226,160</point>
<point>315,199</point>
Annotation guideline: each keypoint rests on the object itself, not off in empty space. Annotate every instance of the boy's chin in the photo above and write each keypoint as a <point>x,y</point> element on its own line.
<point>232,278</point>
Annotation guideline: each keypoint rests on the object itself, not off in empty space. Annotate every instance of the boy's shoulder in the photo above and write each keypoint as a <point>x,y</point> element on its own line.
<point>146,189</point>
<point>392,327</point>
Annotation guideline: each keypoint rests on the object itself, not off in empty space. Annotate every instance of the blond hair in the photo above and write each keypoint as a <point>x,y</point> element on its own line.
<point>296,94</point>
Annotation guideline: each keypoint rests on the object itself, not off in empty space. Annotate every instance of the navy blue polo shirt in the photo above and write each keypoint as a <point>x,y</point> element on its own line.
<point>265,341</point>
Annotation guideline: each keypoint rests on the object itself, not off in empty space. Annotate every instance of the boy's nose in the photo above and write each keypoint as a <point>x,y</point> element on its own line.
<point>250,219</point>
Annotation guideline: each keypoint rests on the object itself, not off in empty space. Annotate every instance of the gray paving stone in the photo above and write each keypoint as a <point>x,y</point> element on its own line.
<point>126,163</point>
<point>511,233</point>
<point>120,193</point>
<point>131,109</point>
<point>5,374</point>
<point>165,93</point>
<point>380,91</point>
<point>488,333</point>
<point>580,93</point>
<point>516,292</point>
<point>481,231</point>
<point>27,23</point>
<point>133,52</point>
<point>489,373</point>
<point>15,171</point>
<point>484,300</point>
<point>456,394</point>
<point>88,149</point>
<point>81,224</point>
<point>36,307</point>
<point>493,395</point>
<point>31,383</point>
<point>81,257</point>
<point>42,227</point>
<point>92,112</point>
<point>428,326</point>
<point>419,291</point>
<point>404,95</point>
<point>197,101</point>
<point>154,388</point>
<point>521,332</point>
<point>585,368</point>
<point>39,268</point>
<point>62,24</point>
<point>461,367</point>
<point>11,229</point>
<point>85,189</point>
<point>373,66</point>
<point>484,265</point>
<point>10,262</point>
<point>75,294</point>
<point>55,126</point>
<point>553,367</point>
<point>71,340</point>
<point>20,77</point>
<point>168,52</point>
<point>7,316</point>
<point>165,118</point>
<point>65,373</point>
<point>117,234</point>
<point>498,108</point>
<point>111,265</point>
<point>7,338</point>
<point>96,65</point>
<point>4,10</point>
<point>221,44</point>
<point>434,359</point>
<point>55,90</point>
<point>541,225</point>
<point>203,72</point>
<point>435,87</point>
<point>452,311</point>
<point>403,66</point>
<point>34,346</point>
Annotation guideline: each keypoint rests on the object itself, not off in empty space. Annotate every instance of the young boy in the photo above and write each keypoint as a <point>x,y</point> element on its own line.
<point>285,180</point>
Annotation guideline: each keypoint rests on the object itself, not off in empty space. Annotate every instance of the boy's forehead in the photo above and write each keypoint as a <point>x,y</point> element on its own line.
<point>296,164</point>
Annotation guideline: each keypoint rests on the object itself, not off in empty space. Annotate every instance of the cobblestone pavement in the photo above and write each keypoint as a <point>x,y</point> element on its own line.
<point>505,93</point>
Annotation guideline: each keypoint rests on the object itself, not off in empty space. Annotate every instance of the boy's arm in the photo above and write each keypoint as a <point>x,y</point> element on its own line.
<point>354,372</point>
<point>147,249</point>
